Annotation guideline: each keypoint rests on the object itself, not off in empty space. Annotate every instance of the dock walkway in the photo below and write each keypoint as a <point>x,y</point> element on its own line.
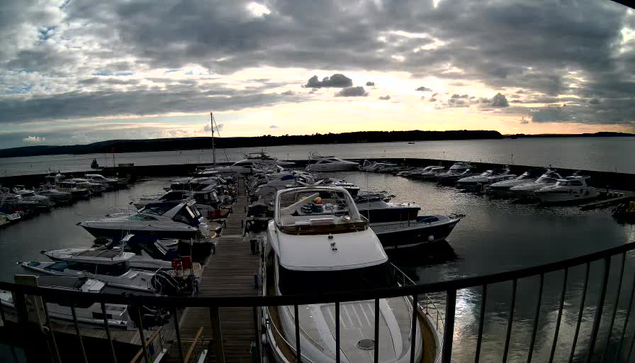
<point>228,272</point>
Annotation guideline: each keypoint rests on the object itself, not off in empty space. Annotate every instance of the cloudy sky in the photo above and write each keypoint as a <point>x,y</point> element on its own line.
<point>78,71</point>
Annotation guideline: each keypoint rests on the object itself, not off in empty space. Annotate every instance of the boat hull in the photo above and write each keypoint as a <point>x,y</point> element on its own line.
<point>403,235</point>
<point>382,215</point>
<point>567,198</point>
<point>117,234</point>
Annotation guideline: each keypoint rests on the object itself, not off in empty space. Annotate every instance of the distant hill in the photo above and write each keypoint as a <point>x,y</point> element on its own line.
<point>597,134</point>
<point>192,143</point>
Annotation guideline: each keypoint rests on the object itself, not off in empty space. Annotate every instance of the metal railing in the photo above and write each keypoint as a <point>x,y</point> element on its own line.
<point>594,349</point>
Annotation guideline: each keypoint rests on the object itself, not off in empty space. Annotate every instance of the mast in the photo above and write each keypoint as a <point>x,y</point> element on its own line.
<point>211,116</point>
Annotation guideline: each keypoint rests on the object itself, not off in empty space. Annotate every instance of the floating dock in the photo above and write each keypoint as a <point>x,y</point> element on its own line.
<point>228,272</point>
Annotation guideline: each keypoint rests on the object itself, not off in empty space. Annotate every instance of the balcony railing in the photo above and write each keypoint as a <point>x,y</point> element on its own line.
<point>443,316</point>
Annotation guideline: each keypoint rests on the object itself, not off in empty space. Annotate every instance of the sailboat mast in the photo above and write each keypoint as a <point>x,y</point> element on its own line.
<point>211,116</point>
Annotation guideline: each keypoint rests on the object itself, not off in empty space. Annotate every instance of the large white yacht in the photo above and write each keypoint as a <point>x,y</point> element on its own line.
<point>478,182</point>
<point>457,171</point>
<point>171,219</point>
<point>502,188</point>
<point>528,190</point>
<point>318,243</point>
<point>89,315</point>
<point>331,163</point>
<point>572,189</point>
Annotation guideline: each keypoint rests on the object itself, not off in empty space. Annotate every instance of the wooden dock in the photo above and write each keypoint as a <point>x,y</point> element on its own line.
<point>228,272</point>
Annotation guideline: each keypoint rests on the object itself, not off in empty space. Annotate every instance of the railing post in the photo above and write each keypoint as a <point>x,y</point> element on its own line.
<point>510,320</point>
<point>599,308</point>
<point>617,301</point>
<point>113,356</point>
<point>79,334</point>
<point>377,312</point>
<point>481,322</point>
<point>217,334</point>
<point>413,329</point>
<point>257,334</point>
<point>142,336</point>
<point>580,312</point>
<point>536,318</point>
<point>298,350</point>
<point>560,308</point>
<point>448,331</point>
<point>178,334</point>
<point>337,332</point>
<point>626,319</point>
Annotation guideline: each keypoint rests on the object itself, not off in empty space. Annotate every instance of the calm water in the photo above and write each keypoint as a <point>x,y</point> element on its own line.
<point>494,236</point>
<point>604,154</point>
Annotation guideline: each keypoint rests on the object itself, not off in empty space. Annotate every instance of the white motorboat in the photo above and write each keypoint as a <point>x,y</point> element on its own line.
<point>572,189</point>
<point>427,173</point>
<point>245,166</point>
<point>76,191</point>
<point>528,190</point>
<point>110,183</point>
<point>503,188</point>
<point>42,202</point>
<point>318,243</point>
<point>139,261</point>
<point>478,182</point>
<point>89,315</point>
<point>331,163</point>
<point>174,219</point>
<point>95,188</point>
<point>376,166</point>
<point>113,267</point>
<point>57,196</point>
<point>457,171</point>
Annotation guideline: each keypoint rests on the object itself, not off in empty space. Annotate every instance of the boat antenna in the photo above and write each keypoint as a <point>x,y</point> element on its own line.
<point>211,116</point>
<point>214,123</point>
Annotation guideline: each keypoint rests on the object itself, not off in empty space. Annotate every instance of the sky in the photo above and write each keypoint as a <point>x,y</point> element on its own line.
<point>79,71</point>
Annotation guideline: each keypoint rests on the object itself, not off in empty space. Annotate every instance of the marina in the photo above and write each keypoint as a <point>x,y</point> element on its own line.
<point>391,199</point>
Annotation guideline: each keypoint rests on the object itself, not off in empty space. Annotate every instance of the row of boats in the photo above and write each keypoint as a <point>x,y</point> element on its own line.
<point>19,202</point>
<point>545,185</point>
<point>152,251</point>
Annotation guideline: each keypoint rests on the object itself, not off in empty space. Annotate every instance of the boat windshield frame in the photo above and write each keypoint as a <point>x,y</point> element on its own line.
<point>317,211</point>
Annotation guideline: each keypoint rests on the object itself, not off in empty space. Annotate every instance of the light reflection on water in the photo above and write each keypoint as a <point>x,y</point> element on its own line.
<point>497,236</point>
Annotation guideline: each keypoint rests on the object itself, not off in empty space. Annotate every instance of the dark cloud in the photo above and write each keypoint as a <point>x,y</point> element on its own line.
<point>335,81</point>
<point>423,89</point>
<point>136,102</point>
<point>594,101</point>
<point>499,101</point>
<point>352,92</point>
<point>273,127</point>
<point>524,121</point>
<point>540,47</point>
<point>288,93</point>
<point>459,96</point>
<point>433,99</point>
<point>384,98</point>
<point>370,84</point>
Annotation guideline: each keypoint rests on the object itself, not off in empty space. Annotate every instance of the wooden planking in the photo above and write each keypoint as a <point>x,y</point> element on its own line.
<point>229,272</point>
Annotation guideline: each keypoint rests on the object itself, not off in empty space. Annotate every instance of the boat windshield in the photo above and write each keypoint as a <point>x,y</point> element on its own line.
<point>547,179</point>
<point>294,282</point>
<point>570,183</point>
<point>317,211</point>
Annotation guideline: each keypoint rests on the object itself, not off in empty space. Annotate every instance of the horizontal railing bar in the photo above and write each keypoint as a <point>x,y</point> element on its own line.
<point>278,300</point>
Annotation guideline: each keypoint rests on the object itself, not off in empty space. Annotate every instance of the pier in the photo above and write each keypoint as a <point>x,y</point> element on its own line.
<point>228,272</point>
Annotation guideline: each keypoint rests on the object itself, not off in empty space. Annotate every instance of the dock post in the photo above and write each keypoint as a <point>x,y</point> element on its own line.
<point>217,334</point>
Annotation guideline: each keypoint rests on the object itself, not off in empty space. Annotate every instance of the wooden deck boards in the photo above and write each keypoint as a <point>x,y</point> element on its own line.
<point>228,272</point>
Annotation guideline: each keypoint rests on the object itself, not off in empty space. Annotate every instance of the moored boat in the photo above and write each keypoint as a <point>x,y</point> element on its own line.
<point>573,189</point>
<point>319,243</point>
